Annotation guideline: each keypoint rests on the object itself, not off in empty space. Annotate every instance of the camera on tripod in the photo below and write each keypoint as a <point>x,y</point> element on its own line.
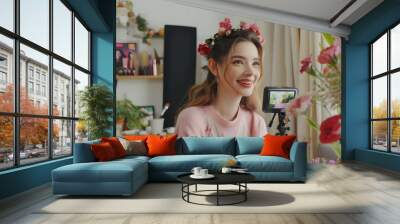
<point>276,100</point>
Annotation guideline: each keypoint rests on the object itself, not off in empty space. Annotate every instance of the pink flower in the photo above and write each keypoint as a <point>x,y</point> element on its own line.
<point>204,49</point>
<point>305,64</point>
<point>225,25</point>
<point>253,27</point>
<point>244,25</point>
<point>328,54</point>
<point>330,130</point>
<point>299,105</point>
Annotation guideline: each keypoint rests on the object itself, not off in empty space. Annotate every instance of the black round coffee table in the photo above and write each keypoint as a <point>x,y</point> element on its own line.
<point>238,179</point>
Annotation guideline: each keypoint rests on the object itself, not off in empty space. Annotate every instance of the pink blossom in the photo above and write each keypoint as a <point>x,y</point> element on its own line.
<point>299,105</point>
<point>244,25</point>
<point>253,27</point>
<point>305,64</point>
<point>328,54</point>
<point>225,25</point>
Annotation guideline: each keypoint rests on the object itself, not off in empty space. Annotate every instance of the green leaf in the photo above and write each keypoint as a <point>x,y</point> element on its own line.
<point>330,39</point>
<point>312,124</point>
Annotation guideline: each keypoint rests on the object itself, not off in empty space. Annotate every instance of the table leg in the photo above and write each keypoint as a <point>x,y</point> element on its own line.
<point>217,194</point>
<point>245,193</point>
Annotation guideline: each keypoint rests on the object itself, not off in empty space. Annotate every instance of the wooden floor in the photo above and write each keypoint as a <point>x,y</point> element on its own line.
<point>377,188</point>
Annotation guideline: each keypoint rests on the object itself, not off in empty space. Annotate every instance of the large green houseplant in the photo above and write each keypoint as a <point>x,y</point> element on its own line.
<point>96,102</point>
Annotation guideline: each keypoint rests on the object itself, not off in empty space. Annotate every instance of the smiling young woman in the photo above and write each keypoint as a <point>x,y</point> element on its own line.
<point>225,103</point>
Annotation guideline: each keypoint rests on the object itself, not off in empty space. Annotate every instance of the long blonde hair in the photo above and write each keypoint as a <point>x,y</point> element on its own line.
<point>205,93</point>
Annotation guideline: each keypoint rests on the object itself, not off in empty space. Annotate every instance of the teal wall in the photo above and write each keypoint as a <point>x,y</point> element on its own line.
<point>356,103</point>
<point>99,16</point>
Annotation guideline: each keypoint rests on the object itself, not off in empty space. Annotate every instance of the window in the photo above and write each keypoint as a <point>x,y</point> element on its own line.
<point>3,71</point>
<point>43,90</point>
<point>3,78</point>
<point>54,126</point>
<point>385,95</point>
<point>30,72</point>
<point>30,87</point>
<point>38,89</point>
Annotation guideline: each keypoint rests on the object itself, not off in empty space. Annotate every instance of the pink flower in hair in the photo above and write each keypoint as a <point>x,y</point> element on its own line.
<point>225,25</point>
<point>253,27</point>
<point>244,25</point>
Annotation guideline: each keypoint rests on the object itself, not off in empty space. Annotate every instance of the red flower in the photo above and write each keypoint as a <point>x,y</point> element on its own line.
<point>305,64</point>
<point>204,49</point>
<point>330,130</point>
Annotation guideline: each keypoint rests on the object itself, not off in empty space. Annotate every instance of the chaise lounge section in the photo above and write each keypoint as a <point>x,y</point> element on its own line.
<point>125,176</point>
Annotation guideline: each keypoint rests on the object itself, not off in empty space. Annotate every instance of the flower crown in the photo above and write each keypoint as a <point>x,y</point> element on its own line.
<point>225,29</point>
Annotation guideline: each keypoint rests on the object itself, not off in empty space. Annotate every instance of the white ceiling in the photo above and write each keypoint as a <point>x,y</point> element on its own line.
<point>310,14</point>
<point>317,9</point>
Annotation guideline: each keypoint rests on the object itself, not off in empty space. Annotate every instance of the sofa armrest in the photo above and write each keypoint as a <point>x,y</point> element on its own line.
<point>83,152</point>
<point>298,155</point>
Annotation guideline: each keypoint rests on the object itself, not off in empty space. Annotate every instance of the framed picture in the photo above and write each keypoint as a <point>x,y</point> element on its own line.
<point>150,114</point>
<point>126,59</point>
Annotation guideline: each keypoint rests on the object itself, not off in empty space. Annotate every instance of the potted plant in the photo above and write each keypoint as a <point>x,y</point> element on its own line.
<point>96,102</point>
<point>129,115</point>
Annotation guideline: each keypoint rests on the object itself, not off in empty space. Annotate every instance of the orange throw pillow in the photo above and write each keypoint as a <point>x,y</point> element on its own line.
<point>161,145</point>
<point>135,137</point>
<point>103,152</point>
<point>116,145</point>
<point>277,145</point>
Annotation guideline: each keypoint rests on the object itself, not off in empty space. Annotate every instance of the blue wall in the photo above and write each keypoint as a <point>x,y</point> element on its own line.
<point>100,17</point>
<point>356,85</point>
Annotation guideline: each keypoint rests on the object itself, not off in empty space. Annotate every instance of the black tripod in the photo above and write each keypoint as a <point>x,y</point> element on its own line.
<point>282,125</point>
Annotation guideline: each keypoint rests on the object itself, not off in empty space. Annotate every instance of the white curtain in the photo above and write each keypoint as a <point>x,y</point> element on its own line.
<point>284,48</point>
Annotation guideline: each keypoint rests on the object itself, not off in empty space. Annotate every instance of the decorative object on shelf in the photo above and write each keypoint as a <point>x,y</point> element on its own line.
<point>129,115</point>
<point>126,58</point>
<point>327,81</point>
<point>149,114</point>
<point>97,104</point>
<point>128,19</point>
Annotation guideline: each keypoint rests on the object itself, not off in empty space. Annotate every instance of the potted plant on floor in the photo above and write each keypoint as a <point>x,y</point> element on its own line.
<point>96,102</point>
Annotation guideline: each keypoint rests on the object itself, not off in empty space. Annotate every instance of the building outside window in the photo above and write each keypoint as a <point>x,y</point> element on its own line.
<point>34,79</point>
<point>30,87</point>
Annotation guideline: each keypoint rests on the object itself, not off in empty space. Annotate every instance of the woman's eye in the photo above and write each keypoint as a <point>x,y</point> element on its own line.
<point>256,63</point>
<point>237,62</point>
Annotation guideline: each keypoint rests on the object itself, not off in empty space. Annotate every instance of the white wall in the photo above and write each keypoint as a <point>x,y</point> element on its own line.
<point>159,13</point>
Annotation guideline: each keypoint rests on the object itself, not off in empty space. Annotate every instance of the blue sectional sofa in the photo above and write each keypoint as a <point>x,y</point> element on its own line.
<point>125,176</point>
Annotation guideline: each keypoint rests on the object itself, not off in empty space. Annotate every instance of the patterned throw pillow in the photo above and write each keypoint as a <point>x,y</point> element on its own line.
<point>137,148</point>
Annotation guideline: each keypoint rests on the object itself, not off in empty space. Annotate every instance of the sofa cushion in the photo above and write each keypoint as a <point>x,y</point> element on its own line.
<point>257,163</point>
<point>277,145</point>
<point>103,151</point>
<point>185,163</point>
<point>83,152</point>
<point>249,145</point>
<point>112,171</point>
<point>206,145</point>
<point>116,145</point>
<point>161,145</point>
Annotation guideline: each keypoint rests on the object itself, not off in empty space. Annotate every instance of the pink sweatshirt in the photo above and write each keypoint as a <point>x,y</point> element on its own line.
<point>206,121</point>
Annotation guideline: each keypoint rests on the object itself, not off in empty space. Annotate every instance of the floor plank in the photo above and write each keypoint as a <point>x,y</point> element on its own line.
<point>376,189</point>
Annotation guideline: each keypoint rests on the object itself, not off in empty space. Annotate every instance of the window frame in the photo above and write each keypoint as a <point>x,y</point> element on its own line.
<point>16,114</point>
<point>388,74</point>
